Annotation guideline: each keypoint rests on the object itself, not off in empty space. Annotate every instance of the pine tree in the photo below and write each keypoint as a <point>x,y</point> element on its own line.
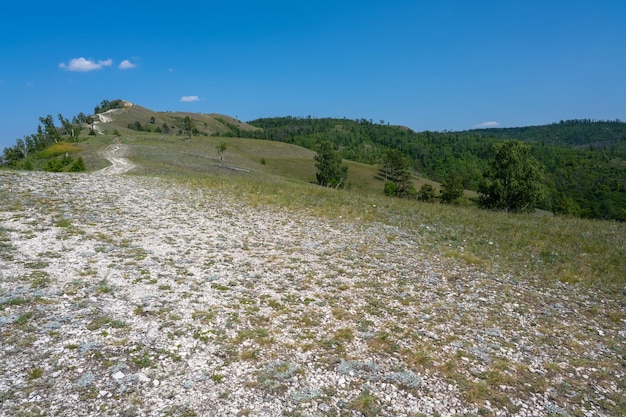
<point>513,180</point>
<point>426,193</point>
<point>451,189</point>
<point>398,181</point>
<point>330,171</point>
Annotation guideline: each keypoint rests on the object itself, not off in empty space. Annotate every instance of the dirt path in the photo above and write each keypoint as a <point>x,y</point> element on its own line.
<point>119,165</point>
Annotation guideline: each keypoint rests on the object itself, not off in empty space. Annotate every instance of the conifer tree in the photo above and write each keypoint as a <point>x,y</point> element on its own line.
<point>330,171</point>
<point>513,180</point>
<point>397,175</point>
<point>451,189</point>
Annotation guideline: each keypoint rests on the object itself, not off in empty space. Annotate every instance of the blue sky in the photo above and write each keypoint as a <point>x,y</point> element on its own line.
<point>429,65</point>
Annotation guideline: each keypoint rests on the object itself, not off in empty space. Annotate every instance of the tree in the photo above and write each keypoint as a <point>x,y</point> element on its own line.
<point>221,148</point>
<point>12,155</point>
<point>91,121</point>
<point>23,146</point>
<point>451,189</point>
<point>330,171</point>
<point>513,179</point>
<point>189,127</point>
<point>563,205</point>
<point>51,132</point>
<point>69,129</point>
<point>426,193</point>
<point>397,175</point>
<point>78,166</point>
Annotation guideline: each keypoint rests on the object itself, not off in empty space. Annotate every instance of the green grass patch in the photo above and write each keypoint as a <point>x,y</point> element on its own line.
<point>101,321</point>
<point>60,148</point>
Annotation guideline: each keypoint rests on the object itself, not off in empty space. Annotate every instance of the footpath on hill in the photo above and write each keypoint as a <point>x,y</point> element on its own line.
<point>114,153</point>
<point>131,296</point>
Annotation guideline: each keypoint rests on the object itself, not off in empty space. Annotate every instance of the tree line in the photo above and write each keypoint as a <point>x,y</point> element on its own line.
<point>512,182</point>
<point>47,134</point>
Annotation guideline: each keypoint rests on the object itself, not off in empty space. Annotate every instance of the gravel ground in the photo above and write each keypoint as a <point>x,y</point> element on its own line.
<point>128,296</point>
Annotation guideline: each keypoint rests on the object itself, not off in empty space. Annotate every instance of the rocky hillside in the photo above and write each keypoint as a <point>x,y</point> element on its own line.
<point>136,296</point>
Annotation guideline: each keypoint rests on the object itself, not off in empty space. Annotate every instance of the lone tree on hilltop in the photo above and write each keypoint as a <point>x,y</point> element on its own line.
<point>513,180</point>
<point>330,171</point>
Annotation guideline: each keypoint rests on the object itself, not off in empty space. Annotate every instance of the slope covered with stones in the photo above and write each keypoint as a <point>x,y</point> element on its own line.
<point>139,297</point>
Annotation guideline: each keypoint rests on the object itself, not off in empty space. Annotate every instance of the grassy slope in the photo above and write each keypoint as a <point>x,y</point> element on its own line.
<point>547,248</point>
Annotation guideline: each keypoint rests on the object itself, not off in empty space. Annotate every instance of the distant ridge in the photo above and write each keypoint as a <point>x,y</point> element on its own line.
<point>127,116</point>
<point>566,132</point>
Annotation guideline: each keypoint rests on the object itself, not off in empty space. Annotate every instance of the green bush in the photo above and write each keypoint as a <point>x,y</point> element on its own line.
<point>391,188</point>
<point>53,165</point>
<point>426,193</point>
<point>78,166</point>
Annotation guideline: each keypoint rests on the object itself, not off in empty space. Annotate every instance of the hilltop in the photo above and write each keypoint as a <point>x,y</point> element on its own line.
<point>163,144</point>
<point>126,117</point>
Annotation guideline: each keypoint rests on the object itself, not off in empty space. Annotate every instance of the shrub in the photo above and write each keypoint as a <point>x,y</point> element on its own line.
<point>53,165</point>
<point>426,193</point>
<point>78,166</point>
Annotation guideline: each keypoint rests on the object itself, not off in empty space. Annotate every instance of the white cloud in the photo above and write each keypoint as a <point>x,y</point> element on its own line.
<point>126,64</point>
<point>486,125</point>
<point>188,99</point>
<point>85,65</point>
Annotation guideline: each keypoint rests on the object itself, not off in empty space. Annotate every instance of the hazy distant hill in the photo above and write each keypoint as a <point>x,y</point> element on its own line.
<point>569,132</point>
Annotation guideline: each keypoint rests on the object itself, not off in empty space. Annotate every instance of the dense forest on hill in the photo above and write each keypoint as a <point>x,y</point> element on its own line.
<point>584,161</point>
<point>585,133</point>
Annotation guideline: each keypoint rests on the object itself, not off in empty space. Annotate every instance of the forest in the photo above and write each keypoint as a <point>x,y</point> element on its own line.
<point>584,161</point>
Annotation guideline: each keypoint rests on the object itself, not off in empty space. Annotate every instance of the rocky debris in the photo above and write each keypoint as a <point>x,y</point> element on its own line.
<point>140,297</point>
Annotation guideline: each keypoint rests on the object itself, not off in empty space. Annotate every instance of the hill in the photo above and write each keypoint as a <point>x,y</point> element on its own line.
<point>124,117</point>
<point>204,284</point>
<point>232,293</point>
<point>163,144</point>
<point>577,133</point>
<point>584,161</point>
